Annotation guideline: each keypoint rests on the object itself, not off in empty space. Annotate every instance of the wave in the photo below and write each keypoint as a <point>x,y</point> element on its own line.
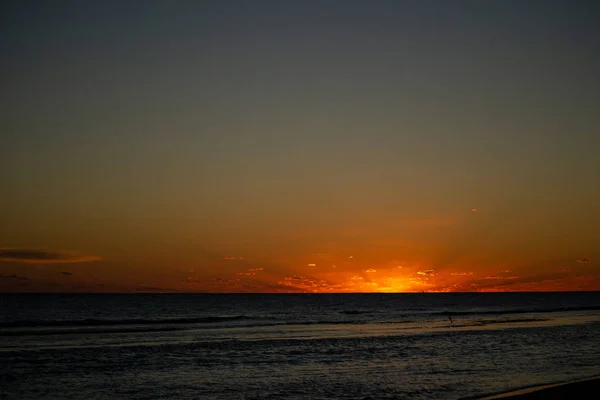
<point>116,329</point>
<point>516,311</point>
<point>65,331</point>
<point>119,328</point>
<point>354,312</point>
<point>34,323</point>
<point>93,325</point>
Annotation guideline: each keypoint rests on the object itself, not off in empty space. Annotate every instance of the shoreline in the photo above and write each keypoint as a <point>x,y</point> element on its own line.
<point>551,391</point>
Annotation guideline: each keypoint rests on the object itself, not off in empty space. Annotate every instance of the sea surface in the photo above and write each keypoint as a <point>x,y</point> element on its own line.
<point>293,346</point>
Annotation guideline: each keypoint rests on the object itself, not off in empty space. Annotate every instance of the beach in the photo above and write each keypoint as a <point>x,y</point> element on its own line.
<point>581,389</point>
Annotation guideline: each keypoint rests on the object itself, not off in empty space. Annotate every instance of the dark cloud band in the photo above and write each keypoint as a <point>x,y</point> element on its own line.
<point>43,256</point>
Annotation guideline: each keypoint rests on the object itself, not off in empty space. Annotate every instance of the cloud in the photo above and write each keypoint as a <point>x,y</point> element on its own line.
<point>312,265</point>
<point>564,270</point>
<point>150,288</point>
<point>427,272</point>
<point>506,271</point>
<point>496,277</point>
<point>250,272</point>
<point>584,260</point>
<point>350,256</point>
<point>474,210</point>
<point>66,273</point>
<point>461,273</point>
<point>371,270</point>
<point>305,284</point>
<point>547,284</point>
<point>43,256</point>
<point>13,276</point>
<point>228,258</point>
<point>213,282</point>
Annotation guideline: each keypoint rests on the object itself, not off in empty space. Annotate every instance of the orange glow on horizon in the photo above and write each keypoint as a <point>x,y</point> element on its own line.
<point>370,266</point>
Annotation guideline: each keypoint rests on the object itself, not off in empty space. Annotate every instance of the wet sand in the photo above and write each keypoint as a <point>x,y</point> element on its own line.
<point>584,389</point>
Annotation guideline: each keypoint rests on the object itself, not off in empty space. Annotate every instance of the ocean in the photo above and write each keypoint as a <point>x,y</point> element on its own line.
<point>293,346</point>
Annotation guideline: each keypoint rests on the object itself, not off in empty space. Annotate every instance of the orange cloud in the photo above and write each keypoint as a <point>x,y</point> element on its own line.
<point>250,272</point>
<point>305,284</point>
<point>587,282</point>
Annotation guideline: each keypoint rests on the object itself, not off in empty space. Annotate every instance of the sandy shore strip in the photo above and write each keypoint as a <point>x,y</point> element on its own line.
<point>580,389</point>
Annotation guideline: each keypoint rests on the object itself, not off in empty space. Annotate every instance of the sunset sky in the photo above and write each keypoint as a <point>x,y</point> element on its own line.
<point>299,146</point>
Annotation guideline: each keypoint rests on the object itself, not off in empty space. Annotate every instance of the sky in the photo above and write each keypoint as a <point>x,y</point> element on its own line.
<point>299,146</point>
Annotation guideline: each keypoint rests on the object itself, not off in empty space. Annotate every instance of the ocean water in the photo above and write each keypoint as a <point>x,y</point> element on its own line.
<point>293,346</point>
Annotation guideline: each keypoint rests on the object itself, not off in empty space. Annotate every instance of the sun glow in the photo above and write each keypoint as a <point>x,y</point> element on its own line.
<point>393,285</point>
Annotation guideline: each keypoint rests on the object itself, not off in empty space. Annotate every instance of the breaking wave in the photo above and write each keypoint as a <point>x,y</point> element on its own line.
<point>110,322</point>
<point>515,311</point>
